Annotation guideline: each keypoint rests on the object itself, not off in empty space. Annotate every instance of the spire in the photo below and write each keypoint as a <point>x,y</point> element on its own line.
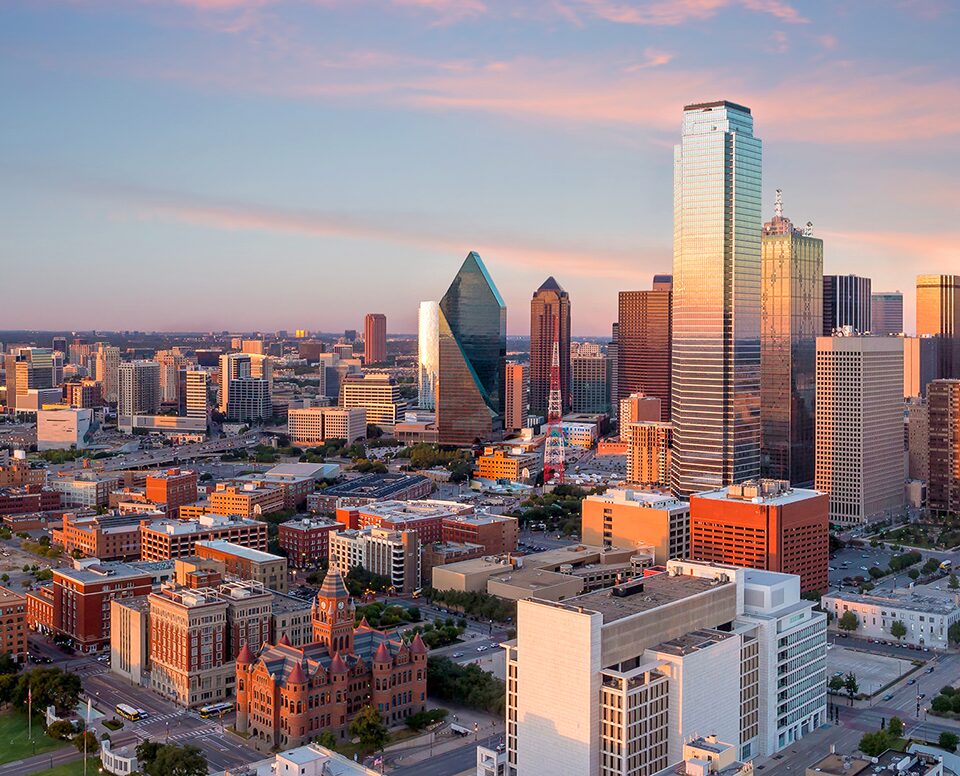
<point>337,666</point>
<point>778,204</point>
<point>382,654</point>
<point>363,622</point>
<point>246,655</point>
<point>550,284</point>
<point>333,585</point>
<point>296,675</point>
<point>417,647</point>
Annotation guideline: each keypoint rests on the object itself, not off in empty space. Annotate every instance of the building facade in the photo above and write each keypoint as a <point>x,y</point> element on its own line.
<point>374,338</point>
<point>264,568</point>
<point>306,541</point>
<point>169,539</point>
<point>643,343</point>
<point>378,394</point>
<point>847,303</point>
<point>138,388</point>
<point>312,426</point>
<point>428,354</point>
<point>886,313</point>
<point>549,323</point>
<point>516,388</point>
<point>637,518</point>
<point>649,454</point>
<point>590,378</point>
<point>938,315</point>
<point>943,407</point>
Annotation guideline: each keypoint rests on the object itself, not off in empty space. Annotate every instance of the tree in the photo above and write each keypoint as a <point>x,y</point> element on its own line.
<point>62,730</point>
<point>327,739</point>
<point>835,684</point>
<point>941,704</point>
<point>898,629</point>
<point>8,665</point>
<point>954,583</point>
<point>914,574</point>
<point>50,687</point>
<point>147,751</point>
<point>874,744</point>
<point>849,621</point>
<point>173,760</point>
<point>851,685</point>
<point>948,741</point>
<point>369,728</point>
<point>87,742</point>
<point>895,728</point>
<point>953,633</point>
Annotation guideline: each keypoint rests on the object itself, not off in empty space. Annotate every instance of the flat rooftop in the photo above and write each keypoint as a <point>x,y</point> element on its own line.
<point>531,579</point>
<point>283,603</point>
<point>101,572</point>
<point>306,523</point>
<point>377,486</point>
<point>925,604</point>
<point>690,643</point>
<point>642,499</point>
<point>791,496</point>
<point>257,556</point>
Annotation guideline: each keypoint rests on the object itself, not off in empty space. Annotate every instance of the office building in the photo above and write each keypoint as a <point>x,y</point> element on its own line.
<point>83,393</point>
<point>516,389</point>
<point>943,407</point>
<point>763,524</point>
<point>473,347</point>
<point>26,369</point>
<point>13,615</point>
<point>368,488</point>
<point>62,428</point>
<point>643,343</point>
<point>847,303</point>
<point>130,638</point>
<point>549,323</point>
<point>918,440</point>
<point>138,388</point>
<point>106,537</point>
<point>171,362</point>
<point>886,313</point>
<point>649,454</point>
<point>391,554</point>
<point>639,408</point>
<point>343,349</point>
<point>938,315</point>
<point>428,354</point>
<point>638,518</point>
<point>613,354</point>
<point>16,472</point>
<point>295,481</point>
<point>27,499</point>
<point>424,517</point>
<point>497,534</point>
<point>374,338</point>
<point>313,426</point>
<point>715,392</point>
<point>590,378</point>
<point>616,681</point>
<point>264,568</point>
<point>921,364</point>
<point>306,540</point>
<point>287,695</point>
<point>506,463</point>
<point>859,425</point>
<point>791,319</point>
<point>252,346</point>
<point>172,489</point>
<point>192,391</point>
<point>85,489</point>
<point>250,377</point>
<point>248,501</point>
<point>106,366</point>
<point>378,394</point>
<point>167,539</point>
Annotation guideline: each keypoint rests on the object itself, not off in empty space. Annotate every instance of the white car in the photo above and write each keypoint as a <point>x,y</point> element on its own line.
<point>481,648</point>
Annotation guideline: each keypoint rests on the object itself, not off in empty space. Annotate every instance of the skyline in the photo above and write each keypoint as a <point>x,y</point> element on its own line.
<point>223,141</point>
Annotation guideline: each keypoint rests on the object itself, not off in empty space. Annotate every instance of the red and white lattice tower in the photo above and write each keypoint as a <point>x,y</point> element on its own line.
<point>553,453</point>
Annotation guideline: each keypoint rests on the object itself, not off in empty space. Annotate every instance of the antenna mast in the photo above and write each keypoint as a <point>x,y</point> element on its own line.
<point>553,452</point>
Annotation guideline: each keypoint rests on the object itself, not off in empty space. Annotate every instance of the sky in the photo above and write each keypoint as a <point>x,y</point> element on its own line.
<point>264,164</point>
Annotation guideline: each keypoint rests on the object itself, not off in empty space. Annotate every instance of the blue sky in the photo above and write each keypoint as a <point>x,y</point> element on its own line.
<point>261,164</point>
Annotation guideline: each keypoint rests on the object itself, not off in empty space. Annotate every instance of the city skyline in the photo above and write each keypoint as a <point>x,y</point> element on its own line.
<point>247,136</point>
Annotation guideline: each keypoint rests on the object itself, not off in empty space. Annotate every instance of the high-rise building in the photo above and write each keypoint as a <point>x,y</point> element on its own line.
<point>886,313</point>
<point>791,318</point>
<point>428,354</point>
<point>252,346</point>
<point>943,487</point>
<point>859,425</point>
<point>473,350</point>
<point>921,364</point>
<point>649,454</point>
<point>27,369</point>
<point>171,362</point>
<point>938,314</point>
<point>846,303</point>
<point>516,388</point>
<point>138,388</point>
<point>644,328</point>
<point>918,440</point>
<point>549,321</point>
<point>192,389</point>
<point>106,361</point>
<point>374,338</point>
<point>638,518</point>
<point>250,377</point>
<point>715,394</point>
<point>590,378</point>
<point>379,394</point>
<point>59,345</point>
<point>638,408</point>
<point>613,353</point>
<point>311,426</point>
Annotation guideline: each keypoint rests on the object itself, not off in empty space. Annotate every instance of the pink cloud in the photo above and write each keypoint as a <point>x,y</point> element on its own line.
<point>674,12</point>
<point>651,58</point>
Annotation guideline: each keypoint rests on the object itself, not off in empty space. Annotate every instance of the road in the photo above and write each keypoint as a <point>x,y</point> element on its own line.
<point>446,763</point>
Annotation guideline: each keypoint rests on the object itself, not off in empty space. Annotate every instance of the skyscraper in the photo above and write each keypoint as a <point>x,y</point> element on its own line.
<point>517,397</point>
<point>549,314</point>
<point>643,342</point>
<point>938,314</point>
<point>943,406</point>
<point>473,351</point>
<point>171,362</point>
<point>138,389</point>
<point>374,338</point>
<point>715,394</point>
<point>791,317</point>
<point>886,313</point>
<point>846,302</point>
<point>28,368</point>
<point>106,365</point>
<point>235,367</point>
<point>590,378</point>
<point>428,354</point>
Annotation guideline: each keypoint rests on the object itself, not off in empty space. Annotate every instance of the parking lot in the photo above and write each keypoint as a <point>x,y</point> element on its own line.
<point>872,671</point>
<point>857,561</point>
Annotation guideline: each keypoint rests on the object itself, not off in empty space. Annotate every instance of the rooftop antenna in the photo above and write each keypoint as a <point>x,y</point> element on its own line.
<point>808,229</point>
<point>778,204</point>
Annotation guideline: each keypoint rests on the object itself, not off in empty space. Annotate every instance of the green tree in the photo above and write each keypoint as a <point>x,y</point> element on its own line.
<point>849,621</point>
<point>147,752</point>
<point>87,739</point>
<point>948,741</point>
<point>941,704</point>
<point>954,583</point>
<point>851,685</point>
<point>898,629</point>
<point>953,633</point>
<point>327,739</point>
<point>895,728</point>
<point>173,760</point>
<point>835,684</point>
<point>369,728</point>
<point>8,665</point>
<point>50,687</point>
<point>61,730</point>
<point>914,574</point>
<point>875,744</point>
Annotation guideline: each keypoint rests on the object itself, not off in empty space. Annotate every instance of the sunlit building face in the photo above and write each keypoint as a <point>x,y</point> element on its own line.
<point>716,314</point>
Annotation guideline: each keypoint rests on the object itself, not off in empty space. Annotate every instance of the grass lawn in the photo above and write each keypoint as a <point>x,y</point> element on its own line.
<point>347,749</point>
<point>14,742</point>
<point>73,768</point>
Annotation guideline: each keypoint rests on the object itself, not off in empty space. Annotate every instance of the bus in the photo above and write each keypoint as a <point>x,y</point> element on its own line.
<point>215,710</point>
<point>128,712</point>
<point>946,565</point>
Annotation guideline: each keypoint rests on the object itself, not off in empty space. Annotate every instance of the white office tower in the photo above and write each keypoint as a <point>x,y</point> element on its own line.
<point>138,391</point>
<point>428,352</point>
<point>246,386</point>
<point>613,682</point>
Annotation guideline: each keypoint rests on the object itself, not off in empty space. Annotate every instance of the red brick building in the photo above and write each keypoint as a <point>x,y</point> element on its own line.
<point>287,696</point>
<point>497,533</point>
<point>13,625</point>
<point>306,541</point>
<point>764,524</point>
<point>173,488</point>
<point>107,537</point>
<point>29,498</point>
<point>40,609</point>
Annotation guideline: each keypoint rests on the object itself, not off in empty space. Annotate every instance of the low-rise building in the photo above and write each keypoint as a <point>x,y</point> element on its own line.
<point>28,499</point>
<point>18,473</point>
<point>509,463</point>
<point>496,533</point>
<point>311,426</point>
<point>290,620</point>
<point>247,501</point>
<point>443,553</point>
<point>107,537</point>
<point>130,639</point>
<point>306,541</point>
<point>927,617</point>
<point>86,489</point>
<point>293,488</point>
<point>13,625</point>
<point>167,539</point>
<point>172,489</point>
<point>247,563</point>
<point>62,428</point>
<point>369,488</point>
<point>633,518</point>
<point>582,435</point>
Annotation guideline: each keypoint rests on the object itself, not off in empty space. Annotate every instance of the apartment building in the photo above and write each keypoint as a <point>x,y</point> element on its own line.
<point>306,541</point>
<point>391,554</point>
<point>616,681</point>
<point>167,539</point>
<point>311,426</point>
<point>637,518</point>
<point>247,501</point>
<point>246,563</point>
<point>172,488</point>
<point>649,453</point>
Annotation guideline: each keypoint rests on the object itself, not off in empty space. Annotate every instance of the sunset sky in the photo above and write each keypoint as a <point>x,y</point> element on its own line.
<point>249,164</point>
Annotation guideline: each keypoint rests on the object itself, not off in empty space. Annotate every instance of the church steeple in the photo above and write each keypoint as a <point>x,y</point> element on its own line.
<point>333,615</point>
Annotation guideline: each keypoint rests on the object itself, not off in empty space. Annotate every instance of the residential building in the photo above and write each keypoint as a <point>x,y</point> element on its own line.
<point>391,554</point>
<point>171,362</point>
<point>649,454</point>
<point>85,489</point>
<point>886,313</point>
<point>549,323</point>
<point>13,618</point>
<point>138,389</point>
<point>918,440</point>
<point>306,541</point>
<point>193,389</point>
<point>715,389</point>
<point>791,319</point>
<point>428,354</point>
<point>590,378</point>
<point>107,537</point>
<point>374,338</point>
<point>644,330</point>
<point>63,428</point>
<point>763,524</point>
<point>943,486</point>
<point>846,304</point>
<point>927,617</point>
<point>106,363</point>
<point>344,668</point>
<point>378,394</point>
<point>26,369</point>
<point>166,539</point>
<point>638,408</point>
<point>368,488</point>
<point>172,489</point>
<point>248,501</point>
<point>859,425</point>
<point>83,393</point>
<point>938,315</point>
<point>315,425</point>
<point>637,518</point>
<point>508,463</point>
<point>617,681</point>
<point>473,347</point>
<point>266,569</point>
<point>246,386</point>
<point>130,639</point>
<point>516,389</point>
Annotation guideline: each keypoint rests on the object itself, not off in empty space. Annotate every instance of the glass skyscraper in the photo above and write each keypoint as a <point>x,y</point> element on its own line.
<point>473,351</point>
<point>716,298</point>
<point>428,354</point>
<point>847,301</point>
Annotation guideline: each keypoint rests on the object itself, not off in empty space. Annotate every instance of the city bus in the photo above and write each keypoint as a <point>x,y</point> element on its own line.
<point>946,565</point>
<point>215,710</point>
<point>128,712</point>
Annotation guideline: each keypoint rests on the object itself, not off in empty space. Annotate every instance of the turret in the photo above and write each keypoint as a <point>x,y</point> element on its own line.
<point>244,663</point>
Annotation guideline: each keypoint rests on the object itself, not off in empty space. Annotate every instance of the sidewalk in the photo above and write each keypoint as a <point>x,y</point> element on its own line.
<point>441,739</point>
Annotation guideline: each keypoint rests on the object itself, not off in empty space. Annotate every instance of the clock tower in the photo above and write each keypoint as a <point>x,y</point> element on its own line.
<point>333,615</point>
